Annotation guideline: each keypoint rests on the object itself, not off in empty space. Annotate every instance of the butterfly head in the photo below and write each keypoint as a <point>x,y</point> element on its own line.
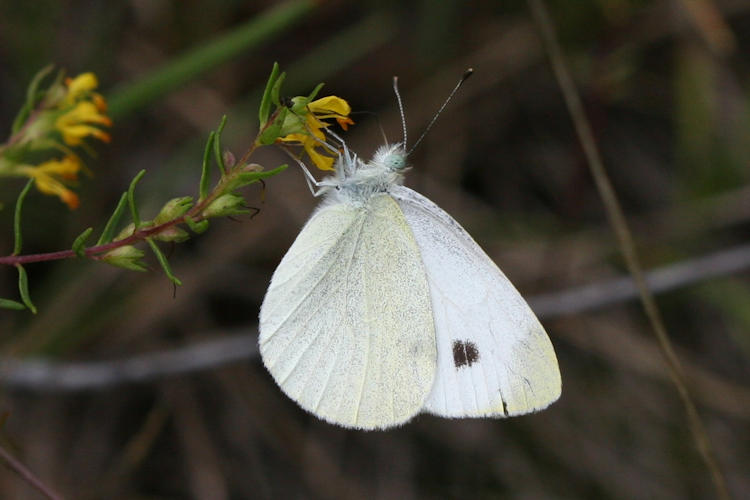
<point>391,157</point>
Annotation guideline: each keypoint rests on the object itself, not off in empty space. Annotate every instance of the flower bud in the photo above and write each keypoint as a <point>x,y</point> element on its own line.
<point>226,204</point>
<point>173,234</point>
<point>126,256</point>
<point>174,208</point>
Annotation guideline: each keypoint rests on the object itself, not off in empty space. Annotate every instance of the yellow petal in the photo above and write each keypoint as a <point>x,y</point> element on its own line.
<point>330,107</point>
<point>73,135</point>
<point>67,168</point>
<point>345,122</point>
<point>49,185</point>
<point>301,138</point>
<point>320,161</point>
<point>74,124</point>
<point>80,86</point>
<point>99,102</point>
<point>85,112</point>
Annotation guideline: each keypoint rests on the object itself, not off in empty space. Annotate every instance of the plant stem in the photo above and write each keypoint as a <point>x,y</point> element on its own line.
<point>13,464</point>
<point>625,239</point>
<point>137,236</point>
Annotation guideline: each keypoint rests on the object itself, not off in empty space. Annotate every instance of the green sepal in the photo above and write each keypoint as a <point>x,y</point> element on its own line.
<point>131,199</point>
<point>265,102</point>
<point>196,227</point>
<point>206,168</point>
<point>11,304</point>
<point>226,204</point>
<point>78,244</point>
<point>128,230</point>
<point>174,208</point>
<point>128,257</point>
<point>32,98</point>
<point>23,288</point>
<point>163,261</point>
<point>114,220</point>
<point>273,131</point>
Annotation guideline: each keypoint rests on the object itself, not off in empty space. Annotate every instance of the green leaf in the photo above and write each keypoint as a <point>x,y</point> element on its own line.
<point>276,89</point>
<point>131,199</point>
<point>17,218</point>
<point>196,227</point>
<point>114,220</point>
<point>80,241</point>
<point>32,91</point>
<point>206,169</point>
<point>32,96</point>
<point>11,304</point>
<point>265,102</point>
<point>218,157</point>
<point>314,93</point>
<point>163,261</point>
<point>23,288</point>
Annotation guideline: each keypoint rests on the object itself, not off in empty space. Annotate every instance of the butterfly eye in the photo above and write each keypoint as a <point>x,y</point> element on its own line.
<point>395,161</point>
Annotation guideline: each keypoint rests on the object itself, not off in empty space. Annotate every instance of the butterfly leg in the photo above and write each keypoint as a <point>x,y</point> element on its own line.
<point>316,188</point>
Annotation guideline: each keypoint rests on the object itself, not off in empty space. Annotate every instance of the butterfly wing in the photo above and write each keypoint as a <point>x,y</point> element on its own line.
<point>346,326</point>
<point>494,357</point>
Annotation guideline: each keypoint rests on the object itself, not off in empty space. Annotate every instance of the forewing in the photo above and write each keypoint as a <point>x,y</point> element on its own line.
<point>494,357</point>
<point>346,326</point>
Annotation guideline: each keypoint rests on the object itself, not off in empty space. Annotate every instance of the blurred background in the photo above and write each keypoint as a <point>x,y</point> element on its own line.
<point>666,85</point>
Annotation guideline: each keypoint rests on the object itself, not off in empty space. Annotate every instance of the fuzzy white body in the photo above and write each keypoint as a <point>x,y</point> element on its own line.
<point>384,307</point>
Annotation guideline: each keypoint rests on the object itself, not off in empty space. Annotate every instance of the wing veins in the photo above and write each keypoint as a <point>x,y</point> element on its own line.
<point>306,295</point>
<point>318,308</point>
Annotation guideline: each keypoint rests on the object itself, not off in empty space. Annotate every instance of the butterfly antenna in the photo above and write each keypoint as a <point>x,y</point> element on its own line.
<point>400,110</point>
<point>464,77</point>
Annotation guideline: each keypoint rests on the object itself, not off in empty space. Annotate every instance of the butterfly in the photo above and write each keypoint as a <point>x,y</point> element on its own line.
<point>384,307</point>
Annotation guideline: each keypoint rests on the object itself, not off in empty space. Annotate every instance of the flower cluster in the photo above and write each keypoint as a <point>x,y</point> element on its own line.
<point>311,136</point>
<point>69,114</point>
<point>52,122</point>
<point>302,121</point>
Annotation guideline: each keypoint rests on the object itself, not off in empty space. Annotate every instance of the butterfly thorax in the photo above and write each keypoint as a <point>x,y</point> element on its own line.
<point>357,181</point>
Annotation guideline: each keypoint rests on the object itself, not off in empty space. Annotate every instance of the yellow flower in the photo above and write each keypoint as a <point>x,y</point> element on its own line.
<point>311,136</point>
<point>310,140</point>
<point>76,124</point>
<point>50,176</point>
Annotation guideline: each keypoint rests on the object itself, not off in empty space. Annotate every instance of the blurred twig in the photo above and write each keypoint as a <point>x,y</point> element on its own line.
<point>134,452</point>
<point>709,22</point>
<point>27,475</point>
<point>36,374</point>
<point>662,279</point>
<point>47,375</point>
<point>619,224</point>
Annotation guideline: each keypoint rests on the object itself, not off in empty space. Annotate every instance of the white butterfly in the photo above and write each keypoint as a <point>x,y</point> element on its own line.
<point>384,307</point>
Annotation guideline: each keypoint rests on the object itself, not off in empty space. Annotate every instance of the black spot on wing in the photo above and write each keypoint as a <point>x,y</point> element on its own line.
<point>464,353</point>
